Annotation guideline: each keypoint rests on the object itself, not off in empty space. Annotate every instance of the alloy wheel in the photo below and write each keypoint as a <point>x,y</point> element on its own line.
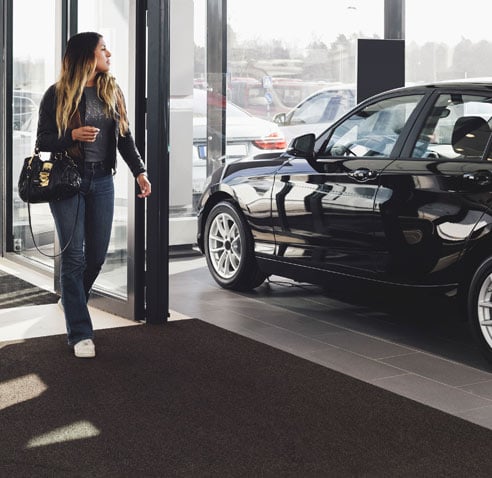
<point>224,245</point>
<point>484,311</point>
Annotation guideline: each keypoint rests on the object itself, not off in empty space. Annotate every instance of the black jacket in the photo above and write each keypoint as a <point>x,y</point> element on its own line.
<point>48,140</point>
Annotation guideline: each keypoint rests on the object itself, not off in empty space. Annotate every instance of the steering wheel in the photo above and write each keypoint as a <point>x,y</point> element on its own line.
<point>342,150</point>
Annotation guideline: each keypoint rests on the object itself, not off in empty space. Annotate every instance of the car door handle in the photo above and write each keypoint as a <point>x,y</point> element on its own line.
<point>482,178</point>
<point>363,174</point>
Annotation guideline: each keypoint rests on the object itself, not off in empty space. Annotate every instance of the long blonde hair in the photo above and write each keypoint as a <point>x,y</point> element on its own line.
<point>78,65</point>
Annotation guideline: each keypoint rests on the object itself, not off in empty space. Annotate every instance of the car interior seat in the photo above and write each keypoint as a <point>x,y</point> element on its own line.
<point>470,136</point>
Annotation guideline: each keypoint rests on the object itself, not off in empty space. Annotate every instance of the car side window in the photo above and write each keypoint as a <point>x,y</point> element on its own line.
<point>373,130</point>
<point>457,127</point>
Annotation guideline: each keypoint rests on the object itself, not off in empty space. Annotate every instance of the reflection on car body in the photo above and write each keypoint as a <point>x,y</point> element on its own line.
<point>397,192</point>
<point>246,135</point>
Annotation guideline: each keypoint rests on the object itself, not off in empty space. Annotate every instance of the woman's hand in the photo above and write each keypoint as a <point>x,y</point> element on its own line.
<point>144,184</point>
<point>87,134</point>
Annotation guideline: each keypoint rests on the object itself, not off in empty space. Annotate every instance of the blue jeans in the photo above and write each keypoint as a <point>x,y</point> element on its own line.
<point>85,256</point>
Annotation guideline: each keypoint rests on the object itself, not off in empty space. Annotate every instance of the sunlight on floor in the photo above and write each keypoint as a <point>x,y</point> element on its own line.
<point>20,389</point>
<point>43,320</point>
<point>76,431</point>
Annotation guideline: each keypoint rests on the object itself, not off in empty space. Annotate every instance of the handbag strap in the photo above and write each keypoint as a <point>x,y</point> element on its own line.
<point>71,234</point>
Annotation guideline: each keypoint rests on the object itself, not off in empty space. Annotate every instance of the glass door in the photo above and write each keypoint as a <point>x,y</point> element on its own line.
<point>115,20</point>
<point>35,65</point>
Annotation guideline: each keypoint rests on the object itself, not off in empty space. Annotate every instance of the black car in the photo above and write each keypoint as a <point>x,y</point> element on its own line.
<point>396,192</point>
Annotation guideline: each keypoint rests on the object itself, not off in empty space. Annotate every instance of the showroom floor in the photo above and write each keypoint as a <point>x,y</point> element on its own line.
<point>411,345</point>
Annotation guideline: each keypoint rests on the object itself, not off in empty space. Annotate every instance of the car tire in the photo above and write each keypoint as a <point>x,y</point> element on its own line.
<point>480,307</point>
<point>229,249</point>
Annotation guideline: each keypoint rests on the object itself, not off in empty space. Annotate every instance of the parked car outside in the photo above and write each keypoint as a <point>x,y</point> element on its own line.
<point>316,112</point>
<point>397,193</point>
<point>246,136</point>
<point>255,97</point>
<point>291,91</point>
<point>24,112</point>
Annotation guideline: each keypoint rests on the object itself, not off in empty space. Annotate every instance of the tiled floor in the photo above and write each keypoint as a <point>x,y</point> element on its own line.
<point>414,346</point>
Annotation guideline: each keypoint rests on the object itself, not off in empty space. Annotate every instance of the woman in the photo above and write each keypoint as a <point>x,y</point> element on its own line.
<point>84,114</point>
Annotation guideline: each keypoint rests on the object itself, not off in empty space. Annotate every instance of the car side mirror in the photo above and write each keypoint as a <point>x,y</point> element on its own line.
<point>303,146</point>
<point>280,118</point>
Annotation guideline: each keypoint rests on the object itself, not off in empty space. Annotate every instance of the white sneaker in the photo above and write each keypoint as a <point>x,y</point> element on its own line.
<point>60,304</point>
<point>85,349</point>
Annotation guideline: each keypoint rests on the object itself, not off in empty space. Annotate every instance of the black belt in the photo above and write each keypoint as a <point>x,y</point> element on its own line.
<point>95,165</point>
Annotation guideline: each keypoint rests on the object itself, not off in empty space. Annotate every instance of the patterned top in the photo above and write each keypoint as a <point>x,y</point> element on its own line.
<point>95,116</point>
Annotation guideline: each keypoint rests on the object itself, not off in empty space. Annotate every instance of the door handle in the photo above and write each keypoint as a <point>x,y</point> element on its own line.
<point>363,174</point>
<point>481,177</point>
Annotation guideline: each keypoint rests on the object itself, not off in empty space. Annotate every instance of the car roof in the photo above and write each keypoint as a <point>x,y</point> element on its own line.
<point>478,84</point>
<point>485,83</point>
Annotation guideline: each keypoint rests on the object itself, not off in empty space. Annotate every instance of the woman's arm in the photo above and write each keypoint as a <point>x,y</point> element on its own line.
<point>129,152</point>
<point>47,134</point>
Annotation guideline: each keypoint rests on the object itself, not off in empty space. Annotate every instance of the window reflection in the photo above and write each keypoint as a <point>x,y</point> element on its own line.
<point>34,69</point>
<point>292,73</point>
<point>276,61</point>
<point>114,20</point>
<point>446,41</point>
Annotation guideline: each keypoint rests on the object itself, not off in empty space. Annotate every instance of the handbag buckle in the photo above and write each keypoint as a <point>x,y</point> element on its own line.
<point>44,174</point>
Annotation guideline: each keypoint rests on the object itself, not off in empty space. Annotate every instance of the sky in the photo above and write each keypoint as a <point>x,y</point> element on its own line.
<point>448,21</point>
<point>28,16</point>
<point>298,21</point>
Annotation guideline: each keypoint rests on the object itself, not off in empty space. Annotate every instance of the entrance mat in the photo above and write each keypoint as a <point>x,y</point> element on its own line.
<point>190,399</point>
<point>15,292</point>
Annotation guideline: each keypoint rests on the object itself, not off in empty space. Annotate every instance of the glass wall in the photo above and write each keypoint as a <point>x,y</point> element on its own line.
<point>447,40</point>
<point>280,53</point>
<point>115,20</point>
<point>289,70</point>
<point>188,119</point>
<point>35,67</point>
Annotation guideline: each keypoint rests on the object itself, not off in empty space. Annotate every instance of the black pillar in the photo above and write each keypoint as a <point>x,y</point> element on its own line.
<point>3,44</point>
<point>69,27</point>
<point>394,19</point>
<point>381,63</point>
<point>157,275</point>
<point>137,282</point>
<point>6,61</point>
<point>70,16</point>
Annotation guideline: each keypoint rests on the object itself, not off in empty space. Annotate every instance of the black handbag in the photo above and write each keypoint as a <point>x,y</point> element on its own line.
<point>51,180</point>
<point>45,181</point>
